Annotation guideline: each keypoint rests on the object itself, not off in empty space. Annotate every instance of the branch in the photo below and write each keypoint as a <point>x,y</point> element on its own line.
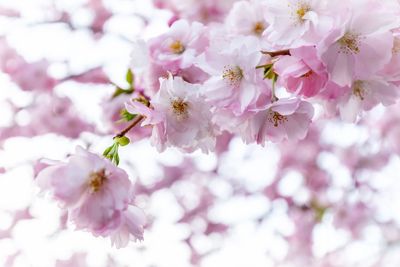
<point>277,53</point>
<point>130,126</point>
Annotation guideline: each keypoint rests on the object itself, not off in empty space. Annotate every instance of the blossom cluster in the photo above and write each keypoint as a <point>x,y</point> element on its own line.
<point>261,71</point>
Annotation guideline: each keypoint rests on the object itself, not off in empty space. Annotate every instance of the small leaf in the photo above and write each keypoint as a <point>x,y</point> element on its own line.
<point>119,91</point>
<point>107,151</point>
<point>116,159</point>
<point>126,116</point>
<point>130,78</point>
<point>122,141</point>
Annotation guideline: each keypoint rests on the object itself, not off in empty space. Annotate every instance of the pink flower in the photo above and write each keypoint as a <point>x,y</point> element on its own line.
<point>302,73</point>
<point>360,46</point>
<point>295,22</point>
<point>285,119</point>
<point>96,194</point>
<point>234,83</point>
<point>130,227</point>
<point>180,45</point>
<point>391,71</point>
<point>364,95</point>
<point>180,116</point>
<point>173,52</point>
<point>247,18</point>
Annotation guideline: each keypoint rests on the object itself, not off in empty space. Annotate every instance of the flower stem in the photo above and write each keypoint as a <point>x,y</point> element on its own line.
<point>277,53</point>
<point>130,126</point>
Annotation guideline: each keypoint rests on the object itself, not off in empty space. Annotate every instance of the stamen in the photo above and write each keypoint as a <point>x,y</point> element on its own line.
<point>350,43</point>
<point>359,90</point>
<point>396,45</point>
<point>180,108</point>
<point>177,47</point>
<point>302,11</point>
<point>299,10</point>
<point>232,75</point>
<point>276,118</point>
<point>97,180</point>
<point>258,28</point>
<point>307,75</point>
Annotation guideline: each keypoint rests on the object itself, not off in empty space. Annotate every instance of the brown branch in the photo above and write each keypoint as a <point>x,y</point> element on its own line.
<point>277,53</point>
<point>133,124</point>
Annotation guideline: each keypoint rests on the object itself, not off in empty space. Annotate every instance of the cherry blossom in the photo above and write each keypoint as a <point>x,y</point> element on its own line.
<point>180,116</point>
<point>281,120</point>
<point>261,126</point>
<point>358,47</point>
<point>96,194</point>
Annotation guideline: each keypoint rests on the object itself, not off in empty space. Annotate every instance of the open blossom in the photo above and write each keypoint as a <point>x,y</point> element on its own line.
<point>284,119</point>
<point>302,72</point>
<point>359,46</point>
<point>391,71</point>
<point>173,52</point>
<point>295,22</point>
<point>234,82</point>
<point>180,45</point>
<point>96,194</point>
<point>180,116</point>
<point>247,18</point>
<point>364,95</point>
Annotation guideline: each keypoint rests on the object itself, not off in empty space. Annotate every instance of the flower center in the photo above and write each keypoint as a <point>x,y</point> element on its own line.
<point>358,90</point>
<point>302,10</point>
<point>276,118</point>
<point>97,180</point>
<point>180,108</point>
<point>177,47</point>
<point>233,75</point>
<point>307,75</point>
<point>299,10</point>
<point>396,45</point>
<point>258,28</point>
<point>350,43</point>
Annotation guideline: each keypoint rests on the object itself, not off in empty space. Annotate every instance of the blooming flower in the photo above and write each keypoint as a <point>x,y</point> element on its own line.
<point>295,22</point>
<point>180,116</point>
<point>280,120</point>
<point>180,45</point>
<point>359,46</point>
<point>247,18</point>
<point>364,95</point>
<point>234,82</point>
<point>302,72</point>
<point>96,194</point>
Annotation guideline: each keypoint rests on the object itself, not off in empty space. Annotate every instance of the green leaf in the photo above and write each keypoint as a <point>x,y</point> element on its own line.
<point>111,153</point>
<point>130,78</point>
<point>116,159</point>
<point>119,91</point>
<point>107,151</point>
<point>126,116</point>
